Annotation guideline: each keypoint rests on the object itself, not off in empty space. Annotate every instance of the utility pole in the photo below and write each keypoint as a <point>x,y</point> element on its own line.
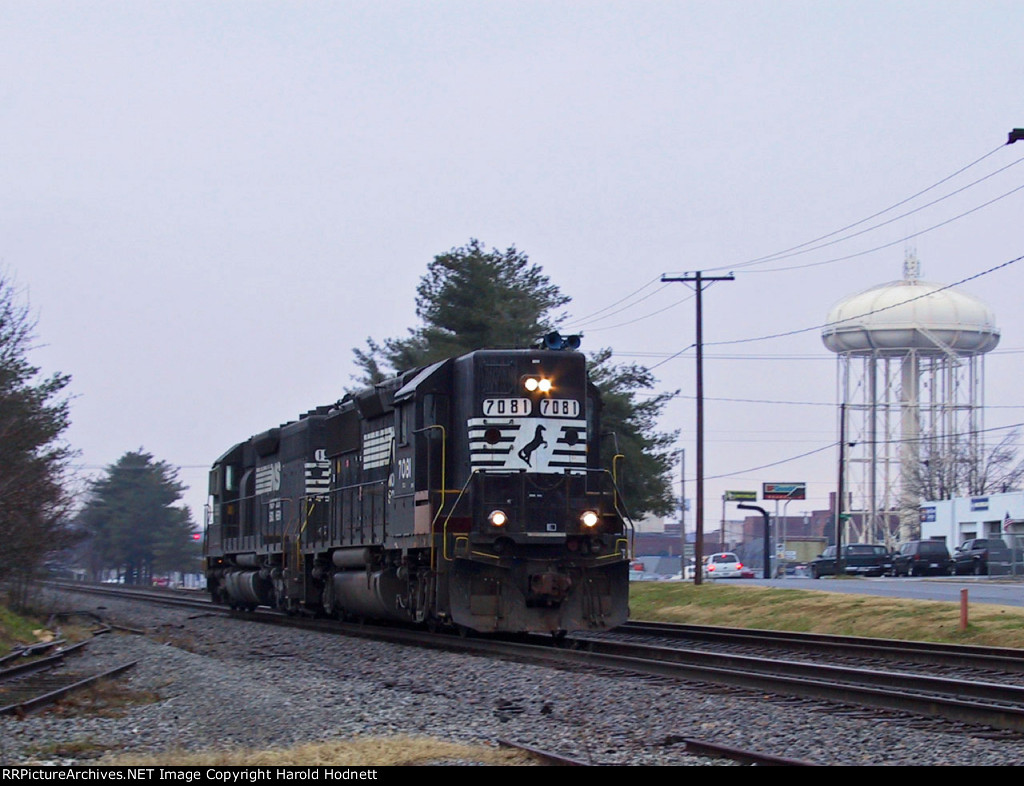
<point>682,512</point>
<point>840,492</point>
<point>700,281</point>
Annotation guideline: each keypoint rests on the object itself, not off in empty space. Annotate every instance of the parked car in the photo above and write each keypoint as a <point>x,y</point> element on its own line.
<point>982,557</point>
<point>859,559</point>
<point>922,558</point>
<point>724,565</point>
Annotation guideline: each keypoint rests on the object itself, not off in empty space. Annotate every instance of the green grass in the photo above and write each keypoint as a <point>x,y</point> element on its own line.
<point>806,611</point>
<point>16,630</point>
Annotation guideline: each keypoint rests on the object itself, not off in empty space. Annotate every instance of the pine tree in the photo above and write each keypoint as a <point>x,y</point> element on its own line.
<point>132,521</point>
<point>470,298</point>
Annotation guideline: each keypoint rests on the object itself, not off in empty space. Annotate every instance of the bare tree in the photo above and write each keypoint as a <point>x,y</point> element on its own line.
<point>33,457</point>
<point>948,473</point>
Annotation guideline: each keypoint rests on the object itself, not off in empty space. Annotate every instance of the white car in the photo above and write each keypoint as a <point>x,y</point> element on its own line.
<point>724,565</point>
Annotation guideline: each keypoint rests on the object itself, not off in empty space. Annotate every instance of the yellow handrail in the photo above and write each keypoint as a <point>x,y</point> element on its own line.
<point>444,487</point>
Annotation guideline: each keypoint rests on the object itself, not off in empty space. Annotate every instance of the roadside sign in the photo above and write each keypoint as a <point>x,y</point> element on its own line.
<point>784,491</point>
<point>741,496</point>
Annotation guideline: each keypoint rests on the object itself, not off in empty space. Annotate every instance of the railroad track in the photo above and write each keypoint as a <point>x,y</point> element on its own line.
<point>996,659</point>
<point>691,745</point>
<point>31,679</point>
<point>890,681</point>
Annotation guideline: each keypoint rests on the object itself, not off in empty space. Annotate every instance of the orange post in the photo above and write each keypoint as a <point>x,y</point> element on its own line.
<point>963,609</point>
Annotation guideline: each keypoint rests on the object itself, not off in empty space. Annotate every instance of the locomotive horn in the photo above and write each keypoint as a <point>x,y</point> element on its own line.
<point>555,340</point>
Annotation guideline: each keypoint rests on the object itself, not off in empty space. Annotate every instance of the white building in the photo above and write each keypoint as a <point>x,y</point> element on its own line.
<point>964,518</point>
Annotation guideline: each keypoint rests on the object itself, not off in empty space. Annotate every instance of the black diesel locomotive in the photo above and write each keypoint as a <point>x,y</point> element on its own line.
<point>468,493</point>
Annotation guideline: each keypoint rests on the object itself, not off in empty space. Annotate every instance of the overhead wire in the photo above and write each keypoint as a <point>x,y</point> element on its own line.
<point>896,242</point>
<point>836,443</point>
<point>798,331</point>
<point>770,257</point>
<point>589,317</point>
<point>810,245</point>
<point>645,316</point>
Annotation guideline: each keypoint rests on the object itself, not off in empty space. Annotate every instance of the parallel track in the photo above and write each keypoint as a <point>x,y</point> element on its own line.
<point>35,681</point>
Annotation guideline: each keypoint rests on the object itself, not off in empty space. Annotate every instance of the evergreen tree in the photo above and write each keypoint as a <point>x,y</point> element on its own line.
<point>133,523</point>
<point>470,299</point>
<point>33,457</point>
<point>629,421</point>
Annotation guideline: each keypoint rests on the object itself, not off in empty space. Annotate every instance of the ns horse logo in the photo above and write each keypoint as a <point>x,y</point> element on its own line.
<point>526,451</point>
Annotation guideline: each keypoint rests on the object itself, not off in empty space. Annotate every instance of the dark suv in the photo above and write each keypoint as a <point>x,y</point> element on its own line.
<point>859,559</point>
<point>982,557</point>
<point>922,558</point>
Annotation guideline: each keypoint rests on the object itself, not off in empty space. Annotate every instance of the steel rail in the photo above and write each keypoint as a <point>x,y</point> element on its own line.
<point>548,757</point>
<point>974,656</point>
<point>31,666</point>
<point>705,748</point>
<point>41,700</point>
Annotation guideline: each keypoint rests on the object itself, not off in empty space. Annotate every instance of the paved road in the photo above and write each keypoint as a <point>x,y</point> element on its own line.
<point>981,589</point>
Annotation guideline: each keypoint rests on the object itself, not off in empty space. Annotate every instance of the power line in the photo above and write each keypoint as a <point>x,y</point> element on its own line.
<point>892,220</point>
<point>778,255</point>
<point>769,257</point>
<point>876,442</point>
<point>645,316</point>
<point>992,269</point>
<point>903,239</point>
<point>588,317</point>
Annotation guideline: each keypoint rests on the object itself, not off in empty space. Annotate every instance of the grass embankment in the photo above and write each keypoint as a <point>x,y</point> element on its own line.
<point>814,611</point>
<point>399,751</point>
<point>16,630</point>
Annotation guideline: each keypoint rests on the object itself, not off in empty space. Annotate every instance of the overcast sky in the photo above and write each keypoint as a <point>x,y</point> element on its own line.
<point>209,204</point>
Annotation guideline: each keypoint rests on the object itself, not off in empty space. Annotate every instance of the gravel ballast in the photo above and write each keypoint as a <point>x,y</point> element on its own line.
<point>226,683</point>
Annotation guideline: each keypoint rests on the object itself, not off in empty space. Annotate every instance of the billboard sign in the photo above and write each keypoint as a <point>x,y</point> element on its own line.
<point>784,491</point>
<point>741,496</point>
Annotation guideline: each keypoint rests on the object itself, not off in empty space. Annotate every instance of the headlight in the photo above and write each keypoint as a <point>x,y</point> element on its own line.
<point>533,384</point>
<point>497,518</point>
<point>589,518</point>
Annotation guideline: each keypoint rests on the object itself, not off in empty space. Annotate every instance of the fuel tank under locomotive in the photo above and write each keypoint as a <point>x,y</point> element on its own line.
<point>249,588</point>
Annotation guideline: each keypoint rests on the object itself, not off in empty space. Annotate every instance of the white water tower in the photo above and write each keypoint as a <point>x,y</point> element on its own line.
<point>911,380</point>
